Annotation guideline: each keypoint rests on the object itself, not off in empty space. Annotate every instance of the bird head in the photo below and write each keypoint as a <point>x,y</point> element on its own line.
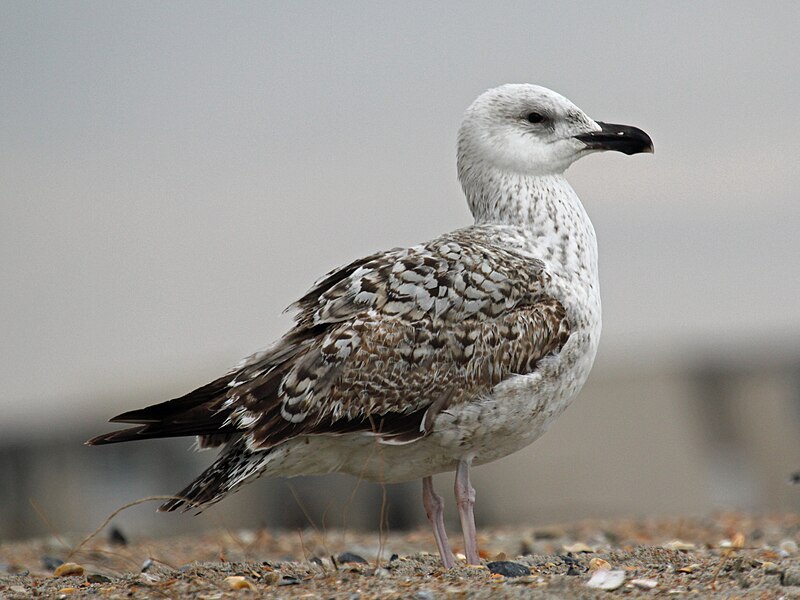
<point>531,130</point>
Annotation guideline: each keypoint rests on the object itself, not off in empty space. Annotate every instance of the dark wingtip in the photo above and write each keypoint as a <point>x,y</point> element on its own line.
<point>115,437</point>
<point>179,503</point>
<point>170,505</point>
<point>140,415</point>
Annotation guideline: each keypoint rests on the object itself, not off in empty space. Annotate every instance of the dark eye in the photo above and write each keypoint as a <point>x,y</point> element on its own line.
<point>534,117</point>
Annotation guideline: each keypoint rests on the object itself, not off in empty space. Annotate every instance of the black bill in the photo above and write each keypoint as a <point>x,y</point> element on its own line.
<point>622,138</point>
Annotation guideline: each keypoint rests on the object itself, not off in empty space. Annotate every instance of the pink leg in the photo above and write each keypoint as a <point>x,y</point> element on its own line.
<point>434,508</point>
<point>465,498</point>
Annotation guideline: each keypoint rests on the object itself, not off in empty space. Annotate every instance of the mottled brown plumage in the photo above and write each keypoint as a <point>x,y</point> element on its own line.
<point>386,338</point>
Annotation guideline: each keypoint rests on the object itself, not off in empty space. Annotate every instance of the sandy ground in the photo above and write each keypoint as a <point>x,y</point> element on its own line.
<point>726,556</point>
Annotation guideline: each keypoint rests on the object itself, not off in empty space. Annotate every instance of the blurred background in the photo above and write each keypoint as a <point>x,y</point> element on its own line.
<point>172,175</point>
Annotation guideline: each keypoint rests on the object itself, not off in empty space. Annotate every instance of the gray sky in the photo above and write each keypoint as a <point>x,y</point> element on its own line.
<point>172,175</point>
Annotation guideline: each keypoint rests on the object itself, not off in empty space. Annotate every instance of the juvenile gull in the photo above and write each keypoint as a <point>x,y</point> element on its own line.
<point>431,358</point>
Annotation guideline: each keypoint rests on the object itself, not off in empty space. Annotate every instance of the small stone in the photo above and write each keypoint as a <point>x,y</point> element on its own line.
<point>598,563</point>
<point>791,576</point>
<point>607,580</point>
<point>349,557</point>
<point>770,568</point>
<point>18,589</point>
<point>577,548</point>
<point>146,565</point>
<point>68,569</point>
<point>149,578</point>
<point>526,579</point>
<point>574,566</point>
<point>288,581</point>
<point>97,578</point>
<point>678,545</point>
<point>788,547</point>
<point>688,568</point>
<point>644,584</point>
<point>381,572</point>
<point>67,590</point>
<point>271,577</point>
<point>237,582</point>
<point>424,595</point>
<point>507,568</point>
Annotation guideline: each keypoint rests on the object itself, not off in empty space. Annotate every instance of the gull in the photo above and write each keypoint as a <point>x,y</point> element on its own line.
<point>432,358</point>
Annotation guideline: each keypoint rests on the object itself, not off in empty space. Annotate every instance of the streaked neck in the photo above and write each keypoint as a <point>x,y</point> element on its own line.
<point>504,198</point>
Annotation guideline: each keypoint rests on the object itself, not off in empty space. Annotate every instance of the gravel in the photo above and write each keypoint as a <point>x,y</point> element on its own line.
<point>727,556</point>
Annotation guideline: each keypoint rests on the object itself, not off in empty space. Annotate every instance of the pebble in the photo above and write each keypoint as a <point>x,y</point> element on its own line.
<point>788,547</point>
<point>67,569</point>
<point>97,578</point>
<point>271,577</point>
<point>424,595</point>
<point>607,580</point>
<point>770,567</point>
<point>67,590</point>
<point>791,576</point>
<point>573,565</point>
<point>644,584</point>
<point>678,545</point>
<point>688,568</point>
<point>237,582</point>
<point>349,557</point>
<point>146,565</point>
<point>507,568</point>
<point>599,563</point>
<point>149,578</point>
<point>577,548</point>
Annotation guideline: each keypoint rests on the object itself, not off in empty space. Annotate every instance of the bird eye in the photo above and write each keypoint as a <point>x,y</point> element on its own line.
<point>534,117</point>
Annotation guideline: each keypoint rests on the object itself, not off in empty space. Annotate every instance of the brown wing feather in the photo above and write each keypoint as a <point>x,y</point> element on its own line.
<point>404,329</point>
<point>377,345</point>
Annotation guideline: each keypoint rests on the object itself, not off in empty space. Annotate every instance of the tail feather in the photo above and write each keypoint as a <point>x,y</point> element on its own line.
<point>235,466</point>
<point>163,430</point>
<point>194,414</point>
<point>163,411</point>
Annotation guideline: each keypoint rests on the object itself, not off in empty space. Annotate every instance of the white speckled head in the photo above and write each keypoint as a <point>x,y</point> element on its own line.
<point>523,129</point>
